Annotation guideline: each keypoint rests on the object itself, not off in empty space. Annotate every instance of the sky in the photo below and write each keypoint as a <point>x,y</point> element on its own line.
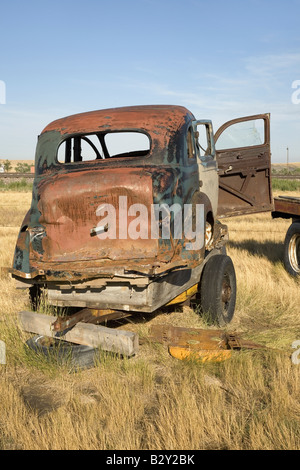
<point>220,59</point>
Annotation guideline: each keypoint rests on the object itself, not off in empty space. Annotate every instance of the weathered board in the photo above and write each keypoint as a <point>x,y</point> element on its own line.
<point>286,207</point>
<point>95,336</point>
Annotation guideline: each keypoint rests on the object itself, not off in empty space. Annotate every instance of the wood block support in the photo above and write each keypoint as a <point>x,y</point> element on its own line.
<point>95,336</point>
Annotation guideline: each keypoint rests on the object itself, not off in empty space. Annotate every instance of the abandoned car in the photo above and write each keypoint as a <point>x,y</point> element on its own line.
<point>127,206</point>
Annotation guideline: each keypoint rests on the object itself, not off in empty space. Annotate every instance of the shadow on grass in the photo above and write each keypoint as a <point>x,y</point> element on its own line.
<point>273,251</point>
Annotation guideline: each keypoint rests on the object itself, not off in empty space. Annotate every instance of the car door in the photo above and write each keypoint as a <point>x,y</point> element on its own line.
<point>244,166</point>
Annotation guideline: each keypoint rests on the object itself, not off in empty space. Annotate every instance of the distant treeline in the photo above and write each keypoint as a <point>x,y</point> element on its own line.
<point>19,168</point>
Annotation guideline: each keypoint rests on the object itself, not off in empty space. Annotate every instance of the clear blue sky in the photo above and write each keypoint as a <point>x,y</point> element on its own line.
<point>221,59</point>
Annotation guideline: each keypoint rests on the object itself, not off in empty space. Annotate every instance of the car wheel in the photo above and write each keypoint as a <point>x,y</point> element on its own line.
<point>292,249</point>
<point>218,290</point>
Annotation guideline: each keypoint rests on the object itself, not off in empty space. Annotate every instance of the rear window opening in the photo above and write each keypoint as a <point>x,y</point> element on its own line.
<point>85,148</point>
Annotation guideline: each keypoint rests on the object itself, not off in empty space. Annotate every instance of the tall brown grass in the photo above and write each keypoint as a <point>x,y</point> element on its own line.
<point>154,401</point>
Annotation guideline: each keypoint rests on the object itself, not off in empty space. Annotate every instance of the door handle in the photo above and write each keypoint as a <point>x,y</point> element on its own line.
<point>228,169</point>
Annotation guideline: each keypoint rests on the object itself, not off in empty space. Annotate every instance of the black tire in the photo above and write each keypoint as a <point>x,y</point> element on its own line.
<point>218,290</point>
<point>291,255</point>
<point>76,356</point>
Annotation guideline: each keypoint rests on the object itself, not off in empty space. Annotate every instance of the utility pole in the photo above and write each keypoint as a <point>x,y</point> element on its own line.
<point>287,159</point>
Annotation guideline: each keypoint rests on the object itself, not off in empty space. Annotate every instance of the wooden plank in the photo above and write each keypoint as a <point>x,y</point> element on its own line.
<point>95,336</point>
<point>287,205</point>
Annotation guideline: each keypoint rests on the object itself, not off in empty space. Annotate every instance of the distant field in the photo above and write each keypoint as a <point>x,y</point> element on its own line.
<point>283,166</point>
<point>154,401</point>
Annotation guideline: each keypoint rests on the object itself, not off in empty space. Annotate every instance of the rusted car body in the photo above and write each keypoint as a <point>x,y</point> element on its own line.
<point>58,246</point>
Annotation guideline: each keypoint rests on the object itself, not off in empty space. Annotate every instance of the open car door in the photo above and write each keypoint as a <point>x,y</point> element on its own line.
<point>244,163</point>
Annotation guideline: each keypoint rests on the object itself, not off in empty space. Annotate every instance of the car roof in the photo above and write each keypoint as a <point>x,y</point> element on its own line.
<point>151,118</point>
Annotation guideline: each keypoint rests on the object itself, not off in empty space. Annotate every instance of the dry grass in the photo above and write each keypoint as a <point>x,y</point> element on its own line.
<point>154,401</point>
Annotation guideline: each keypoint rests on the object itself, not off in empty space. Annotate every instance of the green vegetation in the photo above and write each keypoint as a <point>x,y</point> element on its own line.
<point>285,185</point>
<point>277,185</point>
<point>286,171</point>
<point>7,166</point>
<point>22,168</point>
<point>21,185</point>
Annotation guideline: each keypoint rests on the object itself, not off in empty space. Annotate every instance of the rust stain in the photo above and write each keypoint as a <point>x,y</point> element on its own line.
<point>69,211</point>
<point>139,117</point>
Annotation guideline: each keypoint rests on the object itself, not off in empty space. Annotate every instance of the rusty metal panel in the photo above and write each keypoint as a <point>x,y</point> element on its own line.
<point>151,118</point>
<point>286,207</point>
<point>199,344</point>
<point>122,295</point>
<point>245,173</point>
<point>69,208</point>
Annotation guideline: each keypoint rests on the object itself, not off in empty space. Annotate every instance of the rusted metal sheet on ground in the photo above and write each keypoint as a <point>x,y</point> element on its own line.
<point>199,344</point>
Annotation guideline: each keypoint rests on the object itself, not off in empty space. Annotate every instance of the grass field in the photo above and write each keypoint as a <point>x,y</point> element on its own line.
<point>154,401</point>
